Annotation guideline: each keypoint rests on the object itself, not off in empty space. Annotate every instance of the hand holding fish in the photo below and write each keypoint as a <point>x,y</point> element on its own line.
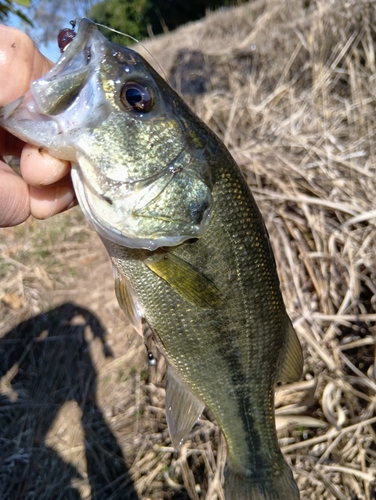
<point>45,188</point>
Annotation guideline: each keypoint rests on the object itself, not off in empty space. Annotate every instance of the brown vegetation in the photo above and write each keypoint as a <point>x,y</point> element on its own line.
<point>291,88</point>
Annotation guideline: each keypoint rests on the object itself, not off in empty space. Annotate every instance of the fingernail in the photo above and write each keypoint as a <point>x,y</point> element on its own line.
<point>73,204</point>
<point>48,201</point>
<point>59,166</point>
<point>64,197</point>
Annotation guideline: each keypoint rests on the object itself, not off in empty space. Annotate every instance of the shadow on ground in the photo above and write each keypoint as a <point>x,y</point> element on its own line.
<point>44,363</point>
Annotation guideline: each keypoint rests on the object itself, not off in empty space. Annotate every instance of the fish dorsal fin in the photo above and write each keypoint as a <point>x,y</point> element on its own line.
<point>291,367</point>
<point>183,408</point>
<point>189,283</point>
<point>127,300</point>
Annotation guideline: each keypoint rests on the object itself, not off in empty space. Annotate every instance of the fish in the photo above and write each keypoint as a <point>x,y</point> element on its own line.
<point>191,254</point>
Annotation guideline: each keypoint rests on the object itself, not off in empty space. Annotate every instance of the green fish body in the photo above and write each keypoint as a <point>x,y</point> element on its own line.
<point>190,250</point>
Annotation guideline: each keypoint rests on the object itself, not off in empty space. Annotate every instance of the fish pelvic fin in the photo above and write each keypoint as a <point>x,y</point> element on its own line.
<point>291,366</point>
<point>270,487</point>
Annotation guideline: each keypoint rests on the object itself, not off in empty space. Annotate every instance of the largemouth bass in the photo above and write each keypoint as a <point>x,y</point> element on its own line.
<point>190,249</point>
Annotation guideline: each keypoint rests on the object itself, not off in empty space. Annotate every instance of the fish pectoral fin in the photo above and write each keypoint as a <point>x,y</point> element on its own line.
<point>183,408</point>
<point>127,300</point>
<point>291,367</point>
<point>189,283</point>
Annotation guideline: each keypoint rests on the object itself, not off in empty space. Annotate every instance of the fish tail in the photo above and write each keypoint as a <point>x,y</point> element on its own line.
<point>273,487</point>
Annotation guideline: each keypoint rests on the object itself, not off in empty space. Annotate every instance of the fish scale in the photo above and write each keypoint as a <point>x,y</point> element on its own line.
<point>190,250</point>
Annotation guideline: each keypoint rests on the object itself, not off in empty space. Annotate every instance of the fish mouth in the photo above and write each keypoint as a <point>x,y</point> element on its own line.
<point>63,100</point>
<point>70,91</point>
<point>55,92</point>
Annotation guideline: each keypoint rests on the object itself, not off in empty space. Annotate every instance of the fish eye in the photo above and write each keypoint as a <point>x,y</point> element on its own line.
<point>136,97</point>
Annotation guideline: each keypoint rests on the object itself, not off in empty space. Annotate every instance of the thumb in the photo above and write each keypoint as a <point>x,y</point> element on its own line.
<point>20,63</point>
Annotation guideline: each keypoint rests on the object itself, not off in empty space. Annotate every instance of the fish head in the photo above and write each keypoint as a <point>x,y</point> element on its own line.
<point>141,159</point>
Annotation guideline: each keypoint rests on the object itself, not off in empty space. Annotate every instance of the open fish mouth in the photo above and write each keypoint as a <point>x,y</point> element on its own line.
<point>65,100</point>
<point>58,89</point>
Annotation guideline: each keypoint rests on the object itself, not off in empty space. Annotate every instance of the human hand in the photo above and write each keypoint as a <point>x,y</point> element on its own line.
<point>45,187</point>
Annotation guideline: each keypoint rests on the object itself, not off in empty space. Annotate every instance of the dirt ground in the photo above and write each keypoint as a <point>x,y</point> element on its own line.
<point>290,88</point>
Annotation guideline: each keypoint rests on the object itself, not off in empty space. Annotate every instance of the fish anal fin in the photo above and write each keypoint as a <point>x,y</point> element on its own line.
<point>188,282</point>
<point>291,366</point>
<point>183,408</point>
<point>127,300</point>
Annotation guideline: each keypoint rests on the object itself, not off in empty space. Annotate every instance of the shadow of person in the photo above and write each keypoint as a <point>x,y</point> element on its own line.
<point>44,363</point>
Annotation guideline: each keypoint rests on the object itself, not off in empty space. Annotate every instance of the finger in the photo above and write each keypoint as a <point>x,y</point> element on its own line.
<point>40,169</point>
<point>20,63</point>
<point>10,145</point>
<point>14,197</point>
<point>48,201</point>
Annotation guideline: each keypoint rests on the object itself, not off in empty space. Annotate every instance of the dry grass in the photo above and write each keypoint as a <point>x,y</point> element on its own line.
<point>291,89</point>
